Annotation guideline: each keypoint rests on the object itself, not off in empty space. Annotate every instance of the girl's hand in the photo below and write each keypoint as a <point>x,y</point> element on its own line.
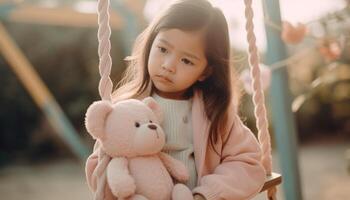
<point>198,197</point>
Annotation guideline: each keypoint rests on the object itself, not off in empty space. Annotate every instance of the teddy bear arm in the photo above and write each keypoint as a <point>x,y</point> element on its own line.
<point>119,179</point>
<point>175,167</point>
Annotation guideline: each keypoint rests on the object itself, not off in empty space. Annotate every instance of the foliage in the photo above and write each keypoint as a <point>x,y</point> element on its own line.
<point>67,62</point>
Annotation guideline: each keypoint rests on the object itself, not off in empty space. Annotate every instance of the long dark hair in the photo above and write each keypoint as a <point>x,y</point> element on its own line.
<point>217,89</point>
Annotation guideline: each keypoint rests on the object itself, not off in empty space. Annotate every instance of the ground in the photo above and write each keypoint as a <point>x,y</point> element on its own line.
<point>322,168</point>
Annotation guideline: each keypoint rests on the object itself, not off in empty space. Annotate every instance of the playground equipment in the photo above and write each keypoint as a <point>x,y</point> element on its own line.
<point>24,70</point>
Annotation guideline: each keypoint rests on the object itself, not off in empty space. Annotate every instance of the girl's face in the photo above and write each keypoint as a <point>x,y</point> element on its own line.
<point>176,61</point>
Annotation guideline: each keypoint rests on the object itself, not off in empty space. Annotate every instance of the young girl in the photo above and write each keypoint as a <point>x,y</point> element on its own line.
<point>182,59</point>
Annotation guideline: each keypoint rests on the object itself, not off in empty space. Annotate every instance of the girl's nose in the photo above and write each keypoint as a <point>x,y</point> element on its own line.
<point>169,65</point>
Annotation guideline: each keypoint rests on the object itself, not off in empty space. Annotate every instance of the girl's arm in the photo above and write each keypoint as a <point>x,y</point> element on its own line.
<point>240,175</point>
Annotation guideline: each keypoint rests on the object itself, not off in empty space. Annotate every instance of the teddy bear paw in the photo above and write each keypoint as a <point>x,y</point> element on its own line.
<point>138,197</point>
<point>183,177</point>
<point>126,188</point>
<point>181,192</point>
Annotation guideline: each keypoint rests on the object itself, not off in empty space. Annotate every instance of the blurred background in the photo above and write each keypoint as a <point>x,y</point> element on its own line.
<point>49,76</point>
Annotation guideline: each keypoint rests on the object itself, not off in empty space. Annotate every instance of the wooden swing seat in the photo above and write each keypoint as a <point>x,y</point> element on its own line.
<point>273,180</point>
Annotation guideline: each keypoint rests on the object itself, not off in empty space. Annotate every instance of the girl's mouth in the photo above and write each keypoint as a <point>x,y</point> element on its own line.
<point>163,78</point>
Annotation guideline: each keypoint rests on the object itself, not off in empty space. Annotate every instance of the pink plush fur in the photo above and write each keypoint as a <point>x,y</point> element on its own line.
<point>130,133</point>
<point>96,116</point>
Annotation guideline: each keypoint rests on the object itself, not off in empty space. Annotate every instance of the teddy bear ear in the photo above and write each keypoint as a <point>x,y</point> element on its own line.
<point>95,118</point>
<point>154,106</point>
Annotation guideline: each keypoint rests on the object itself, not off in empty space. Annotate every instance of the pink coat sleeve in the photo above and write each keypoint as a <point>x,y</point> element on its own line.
<point>240,175</point>
<point>90,166</point>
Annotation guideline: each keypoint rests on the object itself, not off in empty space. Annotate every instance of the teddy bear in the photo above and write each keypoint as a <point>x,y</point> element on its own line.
<point>129,132</point>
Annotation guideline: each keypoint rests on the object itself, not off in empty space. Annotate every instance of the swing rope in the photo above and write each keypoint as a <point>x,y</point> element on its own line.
<point>104,47</point>
<point>106,86</point>
<point>258,97</point>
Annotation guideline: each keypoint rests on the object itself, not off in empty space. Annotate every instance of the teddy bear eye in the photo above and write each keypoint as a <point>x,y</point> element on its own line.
<point>137,124</point>
<point>150,121</point>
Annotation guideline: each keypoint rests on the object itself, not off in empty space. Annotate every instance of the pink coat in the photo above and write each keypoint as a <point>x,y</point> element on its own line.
<point>235,174</point>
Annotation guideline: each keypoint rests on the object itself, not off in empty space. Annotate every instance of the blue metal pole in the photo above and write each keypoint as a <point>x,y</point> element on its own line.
<point>130,28</point>
<point>280,99</point>
<point>6,8</point>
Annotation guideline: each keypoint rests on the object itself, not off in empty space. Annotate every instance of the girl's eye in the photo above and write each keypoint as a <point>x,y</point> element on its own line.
<point>137,124</point>
<point>187,62</point>
<point>150,121</point>
<point>162,49</point>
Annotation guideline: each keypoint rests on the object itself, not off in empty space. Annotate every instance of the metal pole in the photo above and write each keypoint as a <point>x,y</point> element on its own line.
<point>280,98</point>
<point>130,28</point>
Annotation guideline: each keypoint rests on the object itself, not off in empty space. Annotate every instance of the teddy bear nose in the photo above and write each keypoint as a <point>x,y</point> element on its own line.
<point>152,126</point>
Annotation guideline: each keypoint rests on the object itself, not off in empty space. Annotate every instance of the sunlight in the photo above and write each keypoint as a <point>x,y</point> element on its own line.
<point>292,11</point>
<point>308,10</point>
<point>86,6</point>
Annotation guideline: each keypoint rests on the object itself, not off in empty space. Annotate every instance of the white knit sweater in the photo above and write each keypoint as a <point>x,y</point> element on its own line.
<point>177,125</point>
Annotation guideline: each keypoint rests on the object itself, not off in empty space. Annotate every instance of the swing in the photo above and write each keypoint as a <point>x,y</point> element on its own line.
<point>105,90</point>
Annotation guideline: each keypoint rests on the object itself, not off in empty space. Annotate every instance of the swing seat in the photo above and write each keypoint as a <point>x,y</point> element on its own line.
<point>273,180</point>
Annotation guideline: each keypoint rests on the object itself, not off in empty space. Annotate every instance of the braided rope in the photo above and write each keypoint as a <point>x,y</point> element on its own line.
<point>258,96</point>
<point>105,88</point>
<point>104,48</point>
